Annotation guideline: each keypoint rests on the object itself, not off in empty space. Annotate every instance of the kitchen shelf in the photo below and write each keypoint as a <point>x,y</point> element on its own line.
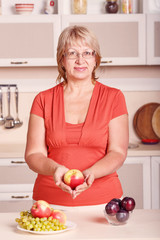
<point>65,7</point>
<point>35,36</point>
<point>8,7</point>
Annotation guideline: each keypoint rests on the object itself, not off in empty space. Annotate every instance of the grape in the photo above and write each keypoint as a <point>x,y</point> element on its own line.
<point>27,221</point>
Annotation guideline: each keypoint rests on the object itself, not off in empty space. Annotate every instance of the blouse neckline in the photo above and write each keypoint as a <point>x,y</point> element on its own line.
<point>89,112</point>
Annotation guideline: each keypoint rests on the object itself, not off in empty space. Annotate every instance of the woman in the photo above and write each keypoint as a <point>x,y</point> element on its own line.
<point>78,124</point>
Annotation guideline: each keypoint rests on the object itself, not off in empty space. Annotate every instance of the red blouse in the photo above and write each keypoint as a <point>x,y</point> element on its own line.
<point>78,145</point>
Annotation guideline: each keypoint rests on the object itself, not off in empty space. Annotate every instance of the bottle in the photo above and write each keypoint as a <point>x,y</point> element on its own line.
<point>49,7</point>
<point>111,6</point>
<point>0,7</point>
<point>126,6</point>
<point>79,6</point>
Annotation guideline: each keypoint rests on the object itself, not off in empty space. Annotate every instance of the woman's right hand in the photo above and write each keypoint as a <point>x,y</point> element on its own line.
<point>58,179</point>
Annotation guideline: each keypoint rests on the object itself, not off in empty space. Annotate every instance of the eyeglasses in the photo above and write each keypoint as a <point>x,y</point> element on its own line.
<point>75,54</point>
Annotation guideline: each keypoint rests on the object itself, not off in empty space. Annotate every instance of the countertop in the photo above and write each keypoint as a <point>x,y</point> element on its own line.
<point>17,150</point>
<point>91,224</point>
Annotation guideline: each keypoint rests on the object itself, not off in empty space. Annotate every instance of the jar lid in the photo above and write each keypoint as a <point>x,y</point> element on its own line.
<point>111,0</point>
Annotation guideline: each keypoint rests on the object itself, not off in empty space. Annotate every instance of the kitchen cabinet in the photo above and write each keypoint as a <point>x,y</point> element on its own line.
<point>29,41</point>
<point>32,40</point>
<point>155,161</point>
<point>135,177</point>
<point>153,39</point>
<point>121,36</point>
<point>16,184</point>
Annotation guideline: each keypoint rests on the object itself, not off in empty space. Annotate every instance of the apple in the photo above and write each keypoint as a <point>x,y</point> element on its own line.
<point>58,214</point>
<point>73,178</point>
<point>41,209</point>
<point>128,203</point>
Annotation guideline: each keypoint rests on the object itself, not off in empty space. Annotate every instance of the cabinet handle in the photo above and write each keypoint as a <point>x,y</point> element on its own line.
<point>18,197</point>
<point>25,62</point>
<point>19,162</point>
<point>107,61</point>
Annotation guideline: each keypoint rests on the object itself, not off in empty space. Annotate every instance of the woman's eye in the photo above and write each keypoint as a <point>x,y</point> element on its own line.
<point>73,53</point>
<point>87,53</point>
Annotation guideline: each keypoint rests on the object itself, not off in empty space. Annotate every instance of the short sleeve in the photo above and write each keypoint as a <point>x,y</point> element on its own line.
<point>119,105</point>
<point>38,106</point>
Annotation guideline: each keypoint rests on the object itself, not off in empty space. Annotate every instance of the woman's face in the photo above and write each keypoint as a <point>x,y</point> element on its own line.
<point>79,61</point>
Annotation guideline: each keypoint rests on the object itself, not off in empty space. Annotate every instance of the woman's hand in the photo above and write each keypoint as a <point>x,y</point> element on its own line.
<point>89,179</point>
<point>58,179</point>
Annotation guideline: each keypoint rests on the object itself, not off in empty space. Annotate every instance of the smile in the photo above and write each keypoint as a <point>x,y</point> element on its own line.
<point>80,69</point>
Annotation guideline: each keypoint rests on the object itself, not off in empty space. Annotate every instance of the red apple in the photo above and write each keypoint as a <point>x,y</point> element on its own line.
<point>57,214</point>
<point>41,209</point>
<point>73,178</point>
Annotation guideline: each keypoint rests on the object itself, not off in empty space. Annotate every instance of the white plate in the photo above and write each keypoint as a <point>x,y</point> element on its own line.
<point>70,225</point>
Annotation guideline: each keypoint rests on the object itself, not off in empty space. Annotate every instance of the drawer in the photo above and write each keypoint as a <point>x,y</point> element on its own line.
<point>15,201</point>
<point>16,174</point>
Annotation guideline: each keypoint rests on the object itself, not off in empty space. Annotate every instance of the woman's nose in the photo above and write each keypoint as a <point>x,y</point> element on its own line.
<point>80,59</point>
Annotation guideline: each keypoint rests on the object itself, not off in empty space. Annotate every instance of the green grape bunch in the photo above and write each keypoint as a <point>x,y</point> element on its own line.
<point>28,222</point>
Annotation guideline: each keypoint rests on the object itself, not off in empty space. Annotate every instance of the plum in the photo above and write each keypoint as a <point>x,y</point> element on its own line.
<point>128,203</point>
<point>112,208</point>
<point>122,215</point>
<point>117,200</point>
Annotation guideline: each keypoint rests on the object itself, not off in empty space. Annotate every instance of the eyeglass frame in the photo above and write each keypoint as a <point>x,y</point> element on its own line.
<point>93,53</point>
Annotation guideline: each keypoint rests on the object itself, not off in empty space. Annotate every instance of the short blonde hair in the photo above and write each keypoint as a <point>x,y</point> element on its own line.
<point>70,36</point>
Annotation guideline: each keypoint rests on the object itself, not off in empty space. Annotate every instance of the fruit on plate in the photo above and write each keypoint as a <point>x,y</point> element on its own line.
<point>28,222</point>
<point>41,209</point>
<point>73,178</point>
<point>128,203</point>
<point>112,208</point>
<point>58,214</point>
<point>122,215</point>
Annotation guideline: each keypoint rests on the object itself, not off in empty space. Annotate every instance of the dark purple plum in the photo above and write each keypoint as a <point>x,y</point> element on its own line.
<point>117,200</point>
<point>112,208</point>
<point>128,203</point>
<point>122,215</point>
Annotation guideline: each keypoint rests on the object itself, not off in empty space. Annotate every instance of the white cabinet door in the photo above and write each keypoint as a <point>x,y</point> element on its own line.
<point>121,36</point>
<point>155,182</point>
<point>16,185</point>
<point>153,39</point>
<point>29,41</point>
<point>136,181</point>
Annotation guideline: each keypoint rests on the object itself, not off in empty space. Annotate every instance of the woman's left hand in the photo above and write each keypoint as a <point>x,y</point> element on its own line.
<point>88,180</point>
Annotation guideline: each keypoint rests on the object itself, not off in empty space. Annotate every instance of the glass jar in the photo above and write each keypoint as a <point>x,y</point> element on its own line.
<point>126,6</point>
<point>79,6</point>
<point>0,7</point>
<point>111,6</point>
